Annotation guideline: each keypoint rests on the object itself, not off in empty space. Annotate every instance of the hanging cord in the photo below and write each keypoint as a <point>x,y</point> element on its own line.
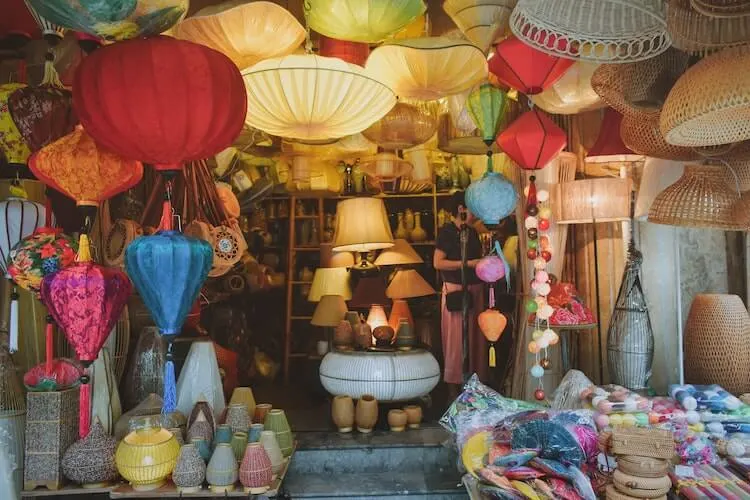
<point>308,41</point>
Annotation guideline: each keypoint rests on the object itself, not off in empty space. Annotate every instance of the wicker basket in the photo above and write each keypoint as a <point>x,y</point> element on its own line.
<point>654,443</point>
<point>695,32</point>
<point>613,494</point>
<point>721,8</point>
<point>717,342</point>
<point>642,135</point>
<point>642,466</point>
<point>641,487</point>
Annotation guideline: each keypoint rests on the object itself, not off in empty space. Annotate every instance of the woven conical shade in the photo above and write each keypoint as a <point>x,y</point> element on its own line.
<point>695,32</point>
<point>408,283</point>
<point>616,31</point>
<point>407,125</point>
<point>642,135</point>
<point>700,198</point>
<point>483,22</point>
<point>401,253</point>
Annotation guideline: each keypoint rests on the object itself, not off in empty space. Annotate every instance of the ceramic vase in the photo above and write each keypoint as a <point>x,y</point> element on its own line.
<point>405,337</point>
<point>256,471</point>
<point>276,421</point>
<point>366,414</point>
<point>261,411</point>
<point>397,420</point>
<point>239,443</point>
<point>105,398</point>
<point>146,457</point>
<point>223,434</point>
<point>414,416</point>
<point>418,234</point>
<point>353,318</point>
<point>145,369</point>
<point>271,445</point>
<point>201,429</point>
<point>190,470</point>
<point>237,417</point>
<point>342,411</point>
<point>401,232</point>
<point>203,447</point>
<point>244,395</point>
<point>343,335</point>
<point>91,460</point>
<point>202,406</point>
<point>363,335</point>
<point>221,472</point>
<point>200,379</point>
<point>409,220</point>
<point>177,433</point>
<point>253,436</point>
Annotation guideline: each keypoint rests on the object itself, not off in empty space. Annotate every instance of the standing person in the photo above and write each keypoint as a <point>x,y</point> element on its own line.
<point>447,260</point>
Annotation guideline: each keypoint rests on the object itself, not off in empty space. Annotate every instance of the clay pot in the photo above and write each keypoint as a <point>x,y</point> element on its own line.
<point>413,416</point>
<point>363,335</point>
<point>366,415</point>
<point>343,335</point>
<point>342,411</point>
<point>397,420</point>
<point>383,335</point>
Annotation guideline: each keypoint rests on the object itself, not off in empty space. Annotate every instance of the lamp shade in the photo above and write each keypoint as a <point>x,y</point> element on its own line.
<point>313,98</point>
<point>525,68</point>
<point>405,126</point>
<point>20,218</point>
<point>601,199</point>
<point>351,52</point>
<point>330,311</point>
<point>12,145</point>
<point>370,291</point>
<point>385,166</point>
<point>401,253</point>
<point>243,31</point>
<point>408,283</point>
<point>656,177</point>
<point>487,107</point>
<point>361,226</point>
<point>481,21</point>
<point>330,281</point>
<point>572,93</point>
<point>609,146</point>
<point>428,68</point>
<point>643,136</point>
<point>533,140</point>
<point>697,27</point>
<point>369,21</point>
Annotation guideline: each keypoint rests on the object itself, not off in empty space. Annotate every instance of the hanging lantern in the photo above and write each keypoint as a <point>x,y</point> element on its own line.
<point>572,93</point>
<point>492,198</point>
<point>483,22</point>
<point>533,140</point>
<point>17,26</point>
<point>113,20</point>
<point>189,103</point>
<point>492,323</point>
<point>405,126</point>
<point>351,52</point>
<point>86,300</point>
<point>12,145</point>
<point>525,68</point>
<point>243,31</point>
<point>487,106</point>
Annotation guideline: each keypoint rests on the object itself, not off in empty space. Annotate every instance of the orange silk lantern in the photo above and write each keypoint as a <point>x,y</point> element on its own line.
<point>492,323</point>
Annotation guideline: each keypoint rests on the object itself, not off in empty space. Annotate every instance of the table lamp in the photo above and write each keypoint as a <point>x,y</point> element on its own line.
<point>362,226</point>
<point>406,284</point>
<point>330,281</point>
<point>328,313</point>
<point>401,253</point>
<point>329,258</point>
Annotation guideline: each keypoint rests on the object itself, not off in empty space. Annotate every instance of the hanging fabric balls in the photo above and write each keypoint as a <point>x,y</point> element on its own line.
<point>537,371</point>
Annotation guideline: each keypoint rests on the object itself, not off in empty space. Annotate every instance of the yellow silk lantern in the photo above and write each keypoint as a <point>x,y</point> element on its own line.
<point>492,323</point>
<point>369,21</point>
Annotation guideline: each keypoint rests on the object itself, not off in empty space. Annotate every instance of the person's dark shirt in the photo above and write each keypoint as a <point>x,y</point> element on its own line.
<point>449,241</point>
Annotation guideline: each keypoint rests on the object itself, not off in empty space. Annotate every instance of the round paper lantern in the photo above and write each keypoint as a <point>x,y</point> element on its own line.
<point>405,126</point>
<point>351,52</point>
<point>491,268</point>
<point>12,145</point>
<point>525,68</point>
<point>533,140</point>
<point>188,102</point>
<point>572,93</point>
<point>491,198</point>
<point>38,255</point>
<point>492,323</point>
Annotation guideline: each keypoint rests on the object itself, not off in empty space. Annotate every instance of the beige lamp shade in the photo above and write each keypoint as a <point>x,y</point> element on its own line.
<point>361,226</point>
<point>572,93</point>
<point>408,283</point>
<point>313,98</point>
<point>601,199</point>
<point>401,253</point>
<point>330,311</point>
<point>385,166</point>
<point>483,22</point>
<point>421,161</point>
<point>428,68</point>
<point>657,175</point>
<point>352,146</point>
<point>330,281</point>
<point>376,317</point>
<point>405,126</point>
<point>242,31</point>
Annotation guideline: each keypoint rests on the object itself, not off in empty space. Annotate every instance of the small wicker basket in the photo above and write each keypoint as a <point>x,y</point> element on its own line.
<point>642,466</point>
<point>654,443</point>
<point>641,487</point>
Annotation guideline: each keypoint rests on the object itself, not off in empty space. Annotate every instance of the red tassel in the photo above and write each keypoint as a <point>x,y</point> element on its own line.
<point>492,296</point>
<point>531,197</point>
<point>48,346</point>
<point>84,415</point>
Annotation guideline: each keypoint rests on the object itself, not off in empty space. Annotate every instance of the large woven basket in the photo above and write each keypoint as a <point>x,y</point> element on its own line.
<point>643,442</point>
<point>717,342</point>
<point>642,135</point>
<point>643,466</point>
<point>700,198</point>
<point>642,487</point>
<point>695,32</point>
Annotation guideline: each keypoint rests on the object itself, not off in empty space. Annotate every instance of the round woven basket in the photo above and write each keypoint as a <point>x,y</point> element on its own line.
<point>697,33</point>
<point>700,198</point>
<point>643,466</point>
<point>605,31</point>
<point>613,494</point>
<point>721,8</point>
<point>717,342</point>
<point>641,487</point>
<point>642,135</point>
<point>710,104</point>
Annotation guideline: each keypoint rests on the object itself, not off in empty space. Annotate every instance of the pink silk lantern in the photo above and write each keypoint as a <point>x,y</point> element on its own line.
<point>86,300</point>
<point>492,323</point>
<point>493,267</point>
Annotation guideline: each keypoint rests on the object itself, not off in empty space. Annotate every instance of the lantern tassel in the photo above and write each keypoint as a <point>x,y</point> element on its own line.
<point>48,346</point>
<point>84,249</point>
<point>492,296</point>
<point>51,77</point>
<point>84,414</point>
<point>170,385</point>
<point>493,359</point>
<point>13,334</point>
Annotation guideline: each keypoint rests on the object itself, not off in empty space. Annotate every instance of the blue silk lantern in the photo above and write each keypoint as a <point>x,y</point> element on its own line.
<point>168,270</point>
<point>491,198</point>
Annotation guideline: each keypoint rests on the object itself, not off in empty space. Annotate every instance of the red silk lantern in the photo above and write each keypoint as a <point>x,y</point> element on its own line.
<point>351,52</point>
<point>187,103</point>
<point>17,25</point>
<point>533,140</point>
<point>609,146</point>
<point>492,323</point>
<point>525,68</point>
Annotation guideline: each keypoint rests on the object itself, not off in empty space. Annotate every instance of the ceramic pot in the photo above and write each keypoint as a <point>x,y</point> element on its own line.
<point>146,457</point>
<point>200,379</point>
<point>201,428</point>
<point>253,435</point>
<point>414,416</point>
<point>256,471</point>
<point>366,414</point>
<point>362,334</point>
<point>237,417</point>
<point>321,347</point>
<point>190,471</point>
<point>276,421</point>
<point>405,337</point>
<point>342,411</point>
<point>208,414</point>
<point>91,460</point>
<point>177,433</point>
<point>343,335</point>
<point>261,411</point>
<point>223,434</point>
<point>221,472</point>
<point>239,443</point>
<point>203,447</point>
<point>244,395</point>
<point>353,318</point>
<point>383,335</point>
<point>271,445</point>
<point>397,420</point>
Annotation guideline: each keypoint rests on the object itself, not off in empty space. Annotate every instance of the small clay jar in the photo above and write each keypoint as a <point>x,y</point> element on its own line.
<point>366,414</point>
<point>363,334</point>
<point>383,335</point>
<point>343,335</point>
<point>397,420</point>
<point>413,416</point>
<point>342,411</point>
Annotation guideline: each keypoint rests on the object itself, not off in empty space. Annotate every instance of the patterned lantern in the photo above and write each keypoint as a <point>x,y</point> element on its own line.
<point>188,103</point>
<point>533,140</point>
<point>492,323</point>
<point>525,68</point>
<point>86,300</point>
<point>12,145</point>
<point>351,52</point>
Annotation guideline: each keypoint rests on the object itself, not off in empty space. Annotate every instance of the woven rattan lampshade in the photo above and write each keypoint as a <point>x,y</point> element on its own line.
<point>242,31</point>
<point>362,226</point>
<point>601,199</point>
<point>428,68</point>
<point>483,22</point>
<point>370,21</point>
<point>407,284</point>
<point>330,281</point>
<point>313,98</point>
<point>330,311</point>
<point>656,177</point>
<point>717,342</point>
<point>695,32</point>
<point>606,31</point>
<point>405,126</point>
<point>741,212</point>
<point>401,253</point>
<point>572,93</point>
<point>385,166</point>
<point>642,135</point>
<point>700,198</point>
<point>721,8</point>
<point>710,103</point>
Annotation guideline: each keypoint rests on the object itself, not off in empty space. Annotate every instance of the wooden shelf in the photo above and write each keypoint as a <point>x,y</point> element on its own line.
<point>301,282</point>
<point>66,490</point>
<point>306,249</point>
<point>305,217</point>
<point>301,318</point>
